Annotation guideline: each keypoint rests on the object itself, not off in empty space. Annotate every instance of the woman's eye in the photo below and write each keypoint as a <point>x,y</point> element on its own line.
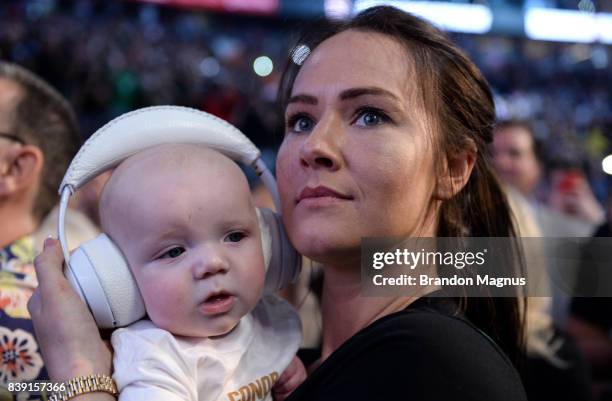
<point>370,118</point>
<point>235,236</point>
<point>173,253</point>
<point>300,123</point>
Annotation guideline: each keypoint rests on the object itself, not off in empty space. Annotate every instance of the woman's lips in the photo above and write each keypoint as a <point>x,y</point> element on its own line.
<point>217,304</point>
<point>321,196</point>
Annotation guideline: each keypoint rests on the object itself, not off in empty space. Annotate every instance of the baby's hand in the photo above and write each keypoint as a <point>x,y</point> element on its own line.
<point>292,377</point>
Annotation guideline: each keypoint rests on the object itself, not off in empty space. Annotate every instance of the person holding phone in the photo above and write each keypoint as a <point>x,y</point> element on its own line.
<point>570,209</point>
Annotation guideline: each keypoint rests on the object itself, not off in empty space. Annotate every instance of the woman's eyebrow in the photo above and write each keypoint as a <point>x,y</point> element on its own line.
<point>372,90</point>
<point>345,95</point>
<point>308,99</point>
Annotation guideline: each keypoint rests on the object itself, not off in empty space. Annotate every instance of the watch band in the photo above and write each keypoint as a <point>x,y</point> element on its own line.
<point>85,384</point>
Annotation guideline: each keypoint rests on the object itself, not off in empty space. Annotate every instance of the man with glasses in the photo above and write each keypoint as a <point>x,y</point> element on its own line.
<point>38,138</point>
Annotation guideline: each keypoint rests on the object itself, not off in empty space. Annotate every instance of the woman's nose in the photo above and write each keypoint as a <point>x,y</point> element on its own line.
<point>209,263</point>
<point>321,148</point>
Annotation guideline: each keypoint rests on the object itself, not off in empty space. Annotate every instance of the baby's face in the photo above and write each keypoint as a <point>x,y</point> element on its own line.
<point>192,240</point>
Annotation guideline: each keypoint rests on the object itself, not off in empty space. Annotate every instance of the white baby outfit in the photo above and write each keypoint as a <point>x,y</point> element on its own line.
<point>153,364</point>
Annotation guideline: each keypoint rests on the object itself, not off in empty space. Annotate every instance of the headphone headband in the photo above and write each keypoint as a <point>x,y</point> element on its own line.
<point>151,126</point>
<point>144,128</point>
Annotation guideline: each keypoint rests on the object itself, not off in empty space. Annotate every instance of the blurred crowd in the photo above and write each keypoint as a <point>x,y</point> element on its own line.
<point>108,57</point>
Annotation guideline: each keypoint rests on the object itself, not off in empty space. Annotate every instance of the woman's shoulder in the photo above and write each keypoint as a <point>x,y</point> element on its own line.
<point>431,333</point>
<point>420,353</point>
<point>431,324</point>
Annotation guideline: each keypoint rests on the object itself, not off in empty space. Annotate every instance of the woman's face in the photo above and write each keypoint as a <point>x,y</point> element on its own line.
<point>357,159</point>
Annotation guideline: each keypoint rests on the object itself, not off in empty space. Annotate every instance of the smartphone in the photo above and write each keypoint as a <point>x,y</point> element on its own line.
<point>569,181</point>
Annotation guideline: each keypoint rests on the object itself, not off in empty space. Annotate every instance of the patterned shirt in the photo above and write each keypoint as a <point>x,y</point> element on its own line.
<point>21,358</point>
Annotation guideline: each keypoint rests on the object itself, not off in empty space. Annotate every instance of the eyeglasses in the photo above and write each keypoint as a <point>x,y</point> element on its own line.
<point>12,138</point>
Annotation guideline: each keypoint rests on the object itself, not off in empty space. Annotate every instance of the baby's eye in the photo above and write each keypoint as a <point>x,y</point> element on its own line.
<point>173,253</point>
<point>235,236</point>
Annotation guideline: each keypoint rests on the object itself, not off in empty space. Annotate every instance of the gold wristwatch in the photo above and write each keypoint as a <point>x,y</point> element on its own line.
<point>85,384</point>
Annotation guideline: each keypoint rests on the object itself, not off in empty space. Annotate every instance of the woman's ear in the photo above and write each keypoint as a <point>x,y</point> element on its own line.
<point>456,172</point>
<point>20,168</point>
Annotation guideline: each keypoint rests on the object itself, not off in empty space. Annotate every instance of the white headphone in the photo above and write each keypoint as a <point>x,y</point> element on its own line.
<point>97,269</point>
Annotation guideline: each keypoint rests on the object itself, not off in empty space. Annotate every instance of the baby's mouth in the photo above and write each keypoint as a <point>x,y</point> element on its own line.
<point>217,303</point>
<point>219,297</point>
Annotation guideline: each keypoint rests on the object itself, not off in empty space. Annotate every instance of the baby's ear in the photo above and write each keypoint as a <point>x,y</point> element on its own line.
<point>456,172</point>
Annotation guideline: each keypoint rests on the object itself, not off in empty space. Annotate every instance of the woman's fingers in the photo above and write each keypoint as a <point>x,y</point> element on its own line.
<point>66,331</point>
<point>54,293</point>
<point>289,380</point>
<point>49,266</point>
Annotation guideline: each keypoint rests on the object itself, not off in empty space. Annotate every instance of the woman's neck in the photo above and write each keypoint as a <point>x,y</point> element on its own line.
<point>345,311</point>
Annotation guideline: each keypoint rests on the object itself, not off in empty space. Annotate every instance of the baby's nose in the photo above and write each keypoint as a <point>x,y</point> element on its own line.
<point>209,265</point>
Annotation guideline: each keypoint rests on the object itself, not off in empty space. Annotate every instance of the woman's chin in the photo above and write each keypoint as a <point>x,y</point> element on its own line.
<point>328,249</point>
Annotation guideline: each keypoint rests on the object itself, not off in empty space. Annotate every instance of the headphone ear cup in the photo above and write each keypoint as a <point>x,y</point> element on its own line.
<point>100,274</point>
<point>266,236</point>
<point>282,261</point>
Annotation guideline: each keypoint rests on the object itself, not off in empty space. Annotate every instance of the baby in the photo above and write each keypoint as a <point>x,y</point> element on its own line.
<point>182,216</point>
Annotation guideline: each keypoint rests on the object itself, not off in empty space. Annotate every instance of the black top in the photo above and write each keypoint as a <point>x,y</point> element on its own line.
<point>419,354</point>
<point>596,311</point>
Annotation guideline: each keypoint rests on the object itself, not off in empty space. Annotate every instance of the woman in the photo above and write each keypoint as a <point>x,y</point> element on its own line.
<point>387,124</point>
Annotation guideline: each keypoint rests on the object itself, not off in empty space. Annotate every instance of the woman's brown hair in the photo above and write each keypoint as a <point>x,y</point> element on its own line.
<point>461,112</point>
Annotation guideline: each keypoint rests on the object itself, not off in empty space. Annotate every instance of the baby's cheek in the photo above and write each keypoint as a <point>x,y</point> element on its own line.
<point>256,279</point>
<point>164,301</point>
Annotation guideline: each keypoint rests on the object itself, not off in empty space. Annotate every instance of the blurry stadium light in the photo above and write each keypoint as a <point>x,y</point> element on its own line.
<point>468,18</point>
<point>263,66</point>
<point>337,9</point>
<point>262,7</point>
<point>606,164</point>
<point>604,26</point>
<point>209,67</point>
<point>568,26</point>
<point>599,57</point>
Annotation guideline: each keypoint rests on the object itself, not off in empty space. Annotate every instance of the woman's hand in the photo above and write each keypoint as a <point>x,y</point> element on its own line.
<point>291,378</point>
<point>66,331</point>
